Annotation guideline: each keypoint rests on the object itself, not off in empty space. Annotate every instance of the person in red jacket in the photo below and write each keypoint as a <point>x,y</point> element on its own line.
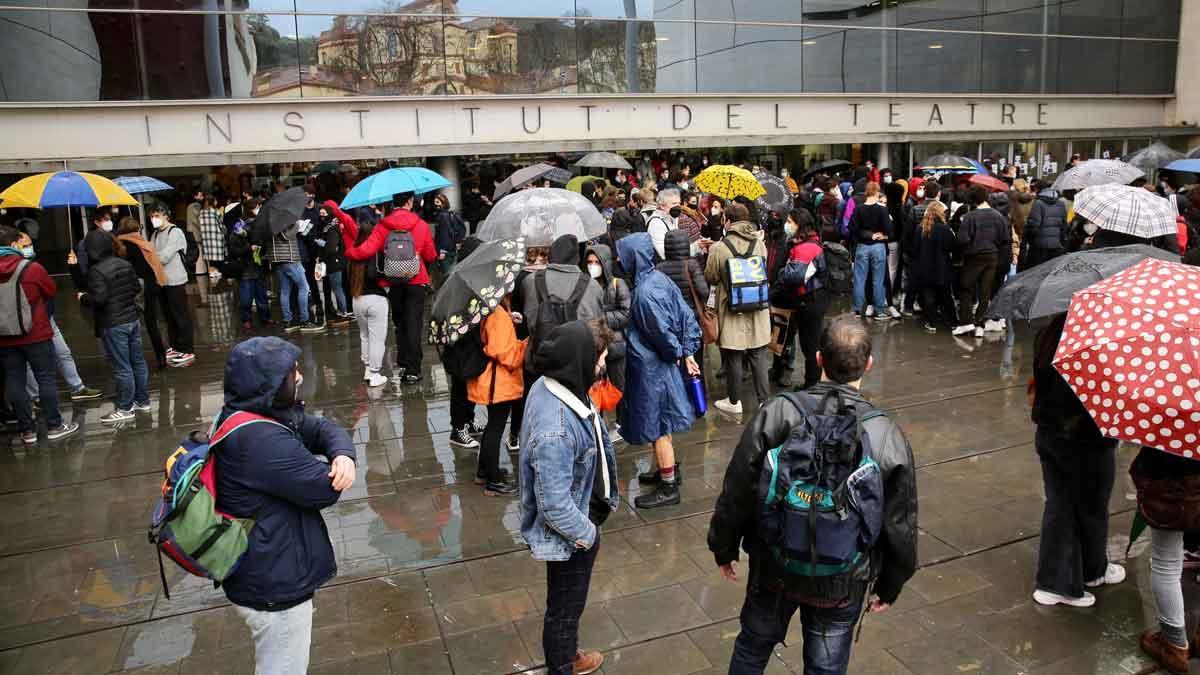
<point>33,348</point>
<point>407,298</point>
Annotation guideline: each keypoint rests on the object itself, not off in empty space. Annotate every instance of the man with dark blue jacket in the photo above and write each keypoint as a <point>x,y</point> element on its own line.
<point>269,471</point>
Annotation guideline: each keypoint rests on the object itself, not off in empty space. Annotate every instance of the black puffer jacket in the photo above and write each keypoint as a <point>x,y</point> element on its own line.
<point>1047,223</point>
<point>680,264</point>
<point>735,519</point>
<point>983,231</point>
<point>112,283</point>
<point>625,221</point>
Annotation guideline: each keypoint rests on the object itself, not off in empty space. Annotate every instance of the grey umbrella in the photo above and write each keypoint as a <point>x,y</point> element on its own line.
<point>604,160</point>
<point>522,177</point>
<point>827,165</point>
<point>1047,288</point>
<point>1153,158</point>
<point>541,215</point>
<point>1097,172</point>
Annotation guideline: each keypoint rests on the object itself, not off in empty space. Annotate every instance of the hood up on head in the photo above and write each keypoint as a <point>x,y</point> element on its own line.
<point>568,356</point>
<point>604,253</point>
<point>636,253</point>
<point>565,250</point>
<point>256,371</point>
<point>1049,195</point>
<point>98,244</point>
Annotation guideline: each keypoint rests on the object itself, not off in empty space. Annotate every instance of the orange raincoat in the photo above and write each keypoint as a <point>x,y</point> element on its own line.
<point>503,379</point>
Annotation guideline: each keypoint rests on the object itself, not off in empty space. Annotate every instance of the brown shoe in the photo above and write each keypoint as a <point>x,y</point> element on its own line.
<point>589,662</point>
<point>1170,657</point>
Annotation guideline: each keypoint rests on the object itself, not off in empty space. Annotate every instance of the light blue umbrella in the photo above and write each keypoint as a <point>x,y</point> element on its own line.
<point>136,185</point>
<point>1188,165</point>
<point>380,187</point>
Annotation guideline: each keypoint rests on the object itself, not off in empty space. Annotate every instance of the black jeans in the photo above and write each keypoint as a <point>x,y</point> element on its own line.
<point>566,595</point>
<point>462,411</point>
<point>518,411</point>
<point>732,358</point>
<point>493,435</point>
<point>828,634</point>
<point>1078,480</point>
<point>978,273</point>
<point>153,302</point>
<point>40,357</point>
<point>408,315</point>
<point>806,324</point>
<point>937,303</point>
<point>179,319</point>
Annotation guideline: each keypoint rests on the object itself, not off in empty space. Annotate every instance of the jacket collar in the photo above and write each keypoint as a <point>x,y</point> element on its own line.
<point>587,413</point>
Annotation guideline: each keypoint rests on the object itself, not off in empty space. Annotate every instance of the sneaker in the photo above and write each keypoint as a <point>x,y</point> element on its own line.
<point>181,360</point>
<point>411,378</point>
<point>366,374</point>
<point>513,443</point>
<point>171,353</point>
<point>1172,658</point>
<point>499,488</point>
<point>62,431</point>
<point>870,310</point>
<point>883,318</point>
<point>291,326</point>
<point>894,313</point>
<point>29,437</point>
<point>1191,560</point>
<point>907,313</point>
<point>376,380</point>
<point>615,436</point>
<point>586,663</point>
<point>473,430</point>
<point>725,406</point>
<point>310,327</point>
<point>461,438</point>
<point>964,329</point>
<point>117,416</point>
<point>86,394</point>
<point>1050,599</point>
<point>655,477</point>
<point>993,326</point>
<point>481,479</point>
<point>142,407</point>
<point>930,328</point>
<point>665,494</point>
<point>978,331</point>
<point>1115,574</point>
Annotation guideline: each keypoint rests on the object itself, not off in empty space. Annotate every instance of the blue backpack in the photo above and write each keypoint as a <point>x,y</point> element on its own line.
<point>746,278</point>
<point>821,492</point>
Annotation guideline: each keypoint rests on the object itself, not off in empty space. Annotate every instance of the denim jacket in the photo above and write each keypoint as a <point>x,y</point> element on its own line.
<point>558,466</point>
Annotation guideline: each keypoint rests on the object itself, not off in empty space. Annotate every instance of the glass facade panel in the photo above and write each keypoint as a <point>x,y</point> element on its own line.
<point>845,60</point>
<point>1150,19</point>
<point>1147,67</point>
<point>1111,148</point>
<point>1025,155</point>
<point>994,154</point>
<point>1084,66</point>
<point>492,8</point>
<point>1087,17</point>
<point>511,56</point>
<point>368,55</point>
<point>1011,64</point>
<point>745,59</point>
<point>632,9</point>
<point>1085,149</point>
<point>938,62</point>
<point>622,56</point>
<point>1053,160</point>
<point>754,10</point>
<point>1016,16</point>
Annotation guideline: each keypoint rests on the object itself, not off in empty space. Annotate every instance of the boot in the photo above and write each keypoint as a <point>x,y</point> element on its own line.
<point>1170,657</point>
<point>655,477</point>
<point>665,494</point>
<point>586,663</point>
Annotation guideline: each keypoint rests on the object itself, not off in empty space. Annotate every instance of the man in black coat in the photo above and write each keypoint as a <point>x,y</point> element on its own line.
<point>773,594</point>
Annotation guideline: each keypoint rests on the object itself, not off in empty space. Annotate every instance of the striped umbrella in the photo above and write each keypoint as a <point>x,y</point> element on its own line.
<point>65,188</point>
<point>1131,210</point>
<point>136,185</point>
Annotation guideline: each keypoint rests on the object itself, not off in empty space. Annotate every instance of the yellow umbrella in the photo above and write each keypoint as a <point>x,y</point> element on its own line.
<point>65,188</point>
<point>727,181</point>
<point>576,183</point>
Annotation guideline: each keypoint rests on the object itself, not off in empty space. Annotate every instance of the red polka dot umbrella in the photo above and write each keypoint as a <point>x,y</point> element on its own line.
<point>1130,352</point>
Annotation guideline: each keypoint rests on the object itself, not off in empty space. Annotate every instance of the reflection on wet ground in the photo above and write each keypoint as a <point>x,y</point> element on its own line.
<point>433,577</point>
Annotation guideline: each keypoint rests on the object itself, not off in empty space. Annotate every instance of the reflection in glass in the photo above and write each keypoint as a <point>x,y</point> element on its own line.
<point>1147,67</point>
<point>837,60</point>
<point>605,65</point>
<point>939,62</point>
<point>1084,66</point>
<point>1016,16</point>
<point>1012,64</point>
<point>511,56</point>
<point>633,9</point>
<point>1054,159</point>
<point>1086,149</point>
<point>994,155</point>
<point>1111,148</point>
<point>1024,155</point>
<point>741,58</point>
<point>939,14</point>
<point>501,8</point>
<point>756,10</point>
<point>1150,19</point>
<point>1087,17</point>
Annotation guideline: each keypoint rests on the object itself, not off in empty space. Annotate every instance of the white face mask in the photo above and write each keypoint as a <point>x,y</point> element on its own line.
<point>158,221</point>
<point>716,210</point>
<point>783,174</point>
<point>106,225</point>
<point>887,179</point>
<point>789,229</point>
<point>921,194</point>
<point>1090,228</point>
<point>595,270</point>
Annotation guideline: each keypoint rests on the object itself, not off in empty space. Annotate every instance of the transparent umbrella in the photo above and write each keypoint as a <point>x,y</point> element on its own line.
<point>1097,172</point>
<point>1153,158</point>
<point>541,215</point>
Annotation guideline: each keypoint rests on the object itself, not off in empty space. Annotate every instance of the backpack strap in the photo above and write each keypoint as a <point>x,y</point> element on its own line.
<point>580,288</point>
<point>539,286</point>
<point>234,422</point>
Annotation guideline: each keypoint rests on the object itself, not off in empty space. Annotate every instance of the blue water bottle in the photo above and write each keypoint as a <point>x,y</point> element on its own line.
<point>696,392</point>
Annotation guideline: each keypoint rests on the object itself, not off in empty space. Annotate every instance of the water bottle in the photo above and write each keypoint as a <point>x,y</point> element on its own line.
<point>696,392</point>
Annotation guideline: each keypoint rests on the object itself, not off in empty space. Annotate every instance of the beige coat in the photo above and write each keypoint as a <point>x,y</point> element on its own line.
<point>738,331</point>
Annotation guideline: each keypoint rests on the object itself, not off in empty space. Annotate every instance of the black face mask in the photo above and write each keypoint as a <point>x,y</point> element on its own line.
<point>675,211</point>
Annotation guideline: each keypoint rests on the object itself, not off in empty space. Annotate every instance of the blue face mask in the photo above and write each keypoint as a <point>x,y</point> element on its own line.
<point>27,252</point>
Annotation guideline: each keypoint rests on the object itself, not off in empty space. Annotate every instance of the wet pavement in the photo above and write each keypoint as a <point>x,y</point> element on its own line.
<point>433,577</point>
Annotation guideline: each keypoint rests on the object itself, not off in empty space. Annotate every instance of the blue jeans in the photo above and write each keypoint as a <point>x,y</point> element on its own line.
<point>66,365</point>
<point>338,293</point>
<point>40,357</point>
<point>123,344</point>
<point>828,634</point>
<point>870,258</point>
<point>290,275</point>
<point>254,292</point>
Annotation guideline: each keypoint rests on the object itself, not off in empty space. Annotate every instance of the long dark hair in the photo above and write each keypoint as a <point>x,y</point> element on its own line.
<point>356,271</point>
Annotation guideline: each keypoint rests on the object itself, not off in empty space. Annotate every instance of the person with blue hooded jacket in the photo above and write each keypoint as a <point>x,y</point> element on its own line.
<point>663,334</point>
<point>270,472</point>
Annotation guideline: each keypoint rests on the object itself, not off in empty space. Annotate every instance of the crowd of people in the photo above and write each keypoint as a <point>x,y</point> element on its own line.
<point>633,309</point>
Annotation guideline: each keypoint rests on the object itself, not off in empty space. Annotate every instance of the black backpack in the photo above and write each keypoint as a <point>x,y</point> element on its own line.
<point>839,270</point>
<point>552,310</point>
<point>191,254</point>
<point>464,358</point>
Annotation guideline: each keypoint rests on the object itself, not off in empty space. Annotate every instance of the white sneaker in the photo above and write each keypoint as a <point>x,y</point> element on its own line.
<point>1115,574</point>
<point>724,405</point>
<point>1050,599</point>
<point>894,312</point>
<point>366,374</point>
<point>963,329</point>
<point>993,326</point>
<point>376,380</point>
<point>117,416</point>
<point>870,310</point>
<point>978,331</point>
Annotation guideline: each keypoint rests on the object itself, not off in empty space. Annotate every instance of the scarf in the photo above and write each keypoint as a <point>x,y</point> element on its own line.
<point>148,252</point>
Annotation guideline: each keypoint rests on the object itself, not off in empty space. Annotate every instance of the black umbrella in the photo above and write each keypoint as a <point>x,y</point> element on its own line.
<point>282,210</point>
<point>777,198</point>
<point>522,177</point>
<point>827,165</point>
<point>475,288</point>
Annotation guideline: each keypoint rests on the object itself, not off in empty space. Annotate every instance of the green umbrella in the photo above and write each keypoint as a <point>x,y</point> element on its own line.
<point>576,183</point>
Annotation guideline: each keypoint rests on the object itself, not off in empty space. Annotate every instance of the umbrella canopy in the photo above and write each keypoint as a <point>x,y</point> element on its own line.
<point>604,160</point>
<point>1097,172</point>
<point>541,215</point>
<point>474,289</point>
<point>948,162</point>
<point>326,167</point>
<point>1129,353</point>
<point>282,210</point>
<point>1131,210</point>
<point>1047,289</point>
<point>65,188</point>
<point>1153,158</point>
<point>576,183</point>
<point>728,181</point>
<point>522,177</point>
<point>977,166</point>
<point>990,182</point>
<point>827,165</point>
<point>1188,165</point>
<point>381,187</point>
<point>136,185</point>
<point>778,197</point>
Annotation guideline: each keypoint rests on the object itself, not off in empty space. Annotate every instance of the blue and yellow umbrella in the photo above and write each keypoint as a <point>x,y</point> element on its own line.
<point>65,188</point>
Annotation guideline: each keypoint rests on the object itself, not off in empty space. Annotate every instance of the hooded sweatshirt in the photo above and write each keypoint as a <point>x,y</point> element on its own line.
<point>617,301</point>
<point>1046,225</point>
<point>401,220</point>
<point>561,276</point>
<point>269,472</point>
<point>112,283</point>
<point>39,289</point>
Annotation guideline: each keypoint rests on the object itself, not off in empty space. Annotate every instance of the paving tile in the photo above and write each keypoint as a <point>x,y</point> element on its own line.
<point>395,593</point>
<point>944,581</point>
<point>489,651</point>
<point>957,651</point>
<point>720,599</point>
<point>652,657</point>
<point>597,630</point>
<point>655,613</point>
<point>655,572</point>
<point>374,664</point>
<point>421,658</point>
<point>487,610</point>
<point>169,641</point>
<point>94,652</point>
